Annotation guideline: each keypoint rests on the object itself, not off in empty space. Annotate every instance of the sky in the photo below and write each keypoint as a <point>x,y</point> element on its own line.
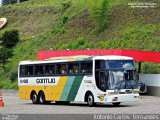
<point>0,2</point>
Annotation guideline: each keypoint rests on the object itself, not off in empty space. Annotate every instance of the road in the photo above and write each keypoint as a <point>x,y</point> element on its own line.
<point>14,105</point>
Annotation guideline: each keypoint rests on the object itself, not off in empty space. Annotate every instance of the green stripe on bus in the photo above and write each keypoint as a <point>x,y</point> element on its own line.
<point>74,88</point>
<point>67,88</point>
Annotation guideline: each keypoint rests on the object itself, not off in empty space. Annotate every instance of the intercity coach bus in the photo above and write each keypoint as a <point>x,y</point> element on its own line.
<point>91,79</point>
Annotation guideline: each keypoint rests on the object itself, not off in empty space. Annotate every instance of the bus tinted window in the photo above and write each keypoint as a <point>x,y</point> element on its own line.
<point>22,70</point>
<point>47,69</point>
<point>58,68</point>
<point>39,69</point>
<point>52,69</point>
<point>30,70</point>
<point>100,64</point>
<point>26,70</point>
<point>83,67</point>
<point>76,68</point>
<point>89,67</point>
<point>70,68</point>
<point>86,67</point>
<point>73,68</point>
<point>64,68</point>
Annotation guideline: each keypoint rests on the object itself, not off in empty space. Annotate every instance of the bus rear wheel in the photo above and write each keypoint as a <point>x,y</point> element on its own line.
<point>34,98</point>
<point>41,98</point>
<point>90,100</point>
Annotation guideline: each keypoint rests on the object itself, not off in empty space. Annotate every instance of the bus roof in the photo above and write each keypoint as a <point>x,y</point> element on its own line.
<point>77,58</point>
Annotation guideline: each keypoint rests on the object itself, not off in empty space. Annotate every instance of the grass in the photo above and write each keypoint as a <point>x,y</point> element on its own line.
<point>63,24</point>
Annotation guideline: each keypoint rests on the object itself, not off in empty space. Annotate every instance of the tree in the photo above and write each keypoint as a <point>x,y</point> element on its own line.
<point>100,15</point>
<point>10,38</point>
<point>5,54</point>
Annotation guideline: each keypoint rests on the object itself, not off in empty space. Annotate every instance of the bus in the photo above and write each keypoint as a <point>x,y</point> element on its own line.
<point>91,79</point>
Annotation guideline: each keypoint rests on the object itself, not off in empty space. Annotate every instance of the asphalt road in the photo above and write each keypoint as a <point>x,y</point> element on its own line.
<point>14,105</point>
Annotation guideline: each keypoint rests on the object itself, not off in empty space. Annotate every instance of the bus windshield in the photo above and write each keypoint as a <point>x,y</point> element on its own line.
<point>120,74</point>
<point>122,79</point>
<point>119,64</point>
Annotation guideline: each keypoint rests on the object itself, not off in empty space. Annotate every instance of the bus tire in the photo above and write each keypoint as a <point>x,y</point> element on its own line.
<point>34,98</point>
<point>90,100</point>
<point>116,104</point>
<point>41,97</point>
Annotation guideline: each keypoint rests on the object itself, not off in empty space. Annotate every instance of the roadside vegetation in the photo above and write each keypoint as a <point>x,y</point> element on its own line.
<point>77,24</point>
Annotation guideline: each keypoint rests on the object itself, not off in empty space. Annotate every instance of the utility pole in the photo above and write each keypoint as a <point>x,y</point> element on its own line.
<point>139,67</point>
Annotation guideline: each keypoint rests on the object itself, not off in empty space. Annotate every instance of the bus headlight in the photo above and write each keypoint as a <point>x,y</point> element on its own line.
<point>135,91</point>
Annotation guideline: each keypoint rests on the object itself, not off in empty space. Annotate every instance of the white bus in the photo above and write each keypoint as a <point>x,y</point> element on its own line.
<point>91,79</point>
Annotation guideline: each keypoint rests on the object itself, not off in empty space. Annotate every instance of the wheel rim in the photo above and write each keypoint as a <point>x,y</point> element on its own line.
<point>34,97</point>
<point>90,100</point>
<point>42,98</point>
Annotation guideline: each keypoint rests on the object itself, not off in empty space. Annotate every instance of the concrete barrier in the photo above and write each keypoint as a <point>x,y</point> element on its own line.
<point>152,82</point>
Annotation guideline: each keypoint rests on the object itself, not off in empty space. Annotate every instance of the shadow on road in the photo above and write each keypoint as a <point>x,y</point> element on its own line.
<point>84,105</point>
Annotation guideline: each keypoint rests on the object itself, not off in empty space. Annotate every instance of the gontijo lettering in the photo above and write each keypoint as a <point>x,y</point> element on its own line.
<point>45,80</point>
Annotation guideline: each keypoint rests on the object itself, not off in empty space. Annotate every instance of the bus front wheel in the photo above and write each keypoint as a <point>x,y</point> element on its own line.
<point>34,98</point>
<point>90,100</point>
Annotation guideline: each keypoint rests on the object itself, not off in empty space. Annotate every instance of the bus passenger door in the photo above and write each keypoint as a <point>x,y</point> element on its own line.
<point>103,80</point>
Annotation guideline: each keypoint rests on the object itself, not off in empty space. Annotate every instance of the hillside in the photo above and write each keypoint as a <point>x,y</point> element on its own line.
<point>79,24</point>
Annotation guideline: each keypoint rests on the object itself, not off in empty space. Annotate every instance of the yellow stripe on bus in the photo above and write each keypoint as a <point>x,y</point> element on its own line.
<point>57,90</point>
<point>51,92</point>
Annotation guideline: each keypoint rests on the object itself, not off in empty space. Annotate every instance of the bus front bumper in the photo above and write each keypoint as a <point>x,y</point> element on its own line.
<point>118,98</point>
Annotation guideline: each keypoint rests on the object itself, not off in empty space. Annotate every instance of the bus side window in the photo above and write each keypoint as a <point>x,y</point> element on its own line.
<point>52,69</point>
<point>83,67</point>
<point>86,67</point>
<point>64,68</point>
<point>39,70</point>
<point>70,68</point>
<point>30,70</point>
<point>46,69</point>
<point>76,68</point>
<point>89,67</point>
<point>26,70</point>
<point>22,70</point>
<point>58,68</point>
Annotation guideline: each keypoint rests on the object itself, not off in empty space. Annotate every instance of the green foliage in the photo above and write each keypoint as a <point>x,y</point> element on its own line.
<point>150,68</point>
<point>57,28</point>
<point>100,15</point>
<point>14,76</point>
<point>5,54</point>
<point>75,44</point>
<point>65,18</point>
<point>78,24</point>
<point>65,5</point>
<point>10,38</point>
<point>5,83</point>
<point>139,32</point>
